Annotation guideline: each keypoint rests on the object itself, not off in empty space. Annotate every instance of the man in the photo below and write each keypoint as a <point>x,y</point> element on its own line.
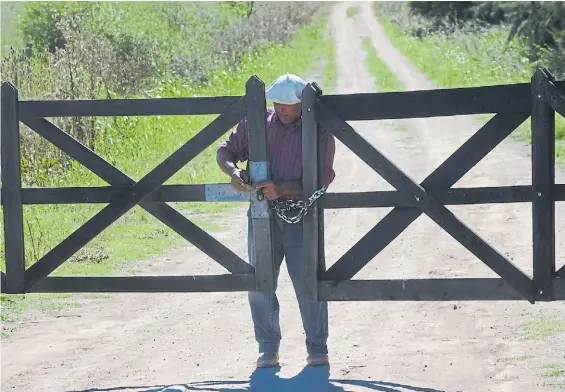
<point>284,140</point>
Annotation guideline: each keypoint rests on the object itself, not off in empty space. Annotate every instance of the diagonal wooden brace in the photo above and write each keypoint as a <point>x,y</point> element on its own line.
<point>548,91</point>
<point>428,204</point>
<point>135,194</point>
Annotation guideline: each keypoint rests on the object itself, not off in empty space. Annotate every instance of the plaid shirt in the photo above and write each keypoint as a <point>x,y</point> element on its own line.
<point>285,148</point>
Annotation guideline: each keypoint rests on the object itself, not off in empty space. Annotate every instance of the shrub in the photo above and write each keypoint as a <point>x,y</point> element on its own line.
<point>104,50</point>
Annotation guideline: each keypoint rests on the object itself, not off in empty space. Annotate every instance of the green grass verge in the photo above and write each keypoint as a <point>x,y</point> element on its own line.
<point>543,326</point>
<point>385,79</point>
<point>137,235</point>
<point>330,71</point>
<point>352,11</point>
<point>469,60</point>
<point>555,370</point>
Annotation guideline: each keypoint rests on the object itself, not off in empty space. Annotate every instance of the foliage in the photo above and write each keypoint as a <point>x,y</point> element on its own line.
<point>541,24</point>
<point>136,145</point>
<point>452,10</point>
<point>468,57</point>
<point>385,78</point>
<point>352,11</point>
<point>106,50</point>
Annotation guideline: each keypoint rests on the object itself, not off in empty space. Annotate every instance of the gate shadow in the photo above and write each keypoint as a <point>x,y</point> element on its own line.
<point>310,379</point>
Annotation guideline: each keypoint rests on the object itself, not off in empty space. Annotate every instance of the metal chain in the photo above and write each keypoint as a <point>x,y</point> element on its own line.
<point>282,206</point>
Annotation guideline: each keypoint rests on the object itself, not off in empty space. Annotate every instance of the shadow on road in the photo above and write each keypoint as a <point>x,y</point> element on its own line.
<point>310,379</point>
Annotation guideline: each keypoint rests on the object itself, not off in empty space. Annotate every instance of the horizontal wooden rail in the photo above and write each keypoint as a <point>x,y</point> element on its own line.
<point>450,196</point>
<point>145,284</point>
<point>226,193</point>
<point>104,194</point>
<point>456,289</point>
<point>129,107</point>
<point>503,99</point>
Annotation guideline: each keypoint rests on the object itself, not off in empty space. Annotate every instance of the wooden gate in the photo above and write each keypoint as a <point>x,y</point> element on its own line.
<point>512,105</point>
<point>124,193</point>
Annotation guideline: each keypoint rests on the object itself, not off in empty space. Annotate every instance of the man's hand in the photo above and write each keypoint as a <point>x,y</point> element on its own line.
<point>240,180</point>
<point>271,190</point>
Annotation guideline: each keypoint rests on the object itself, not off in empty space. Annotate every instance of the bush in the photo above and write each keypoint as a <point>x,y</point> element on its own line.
<point>104,50</point>
<point>539,25</point>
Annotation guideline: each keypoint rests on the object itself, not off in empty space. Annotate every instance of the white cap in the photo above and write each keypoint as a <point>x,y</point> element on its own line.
<point>286,89</point>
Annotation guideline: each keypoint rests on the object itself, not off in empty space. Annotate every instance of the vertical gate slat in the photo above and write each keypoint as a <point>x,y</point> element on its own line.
<point>259,171</point>
<point>319,208</point>
<point>11,189</point>
<point>309,186</point>
<point>543,180</point>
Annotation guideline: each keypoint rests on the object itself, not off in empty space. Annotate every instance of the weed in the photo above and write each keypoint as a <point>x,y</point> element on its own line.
<point>467,57</point>
<point>385,79</point>
<point>136,145</point>
<point>352,11</point>
<point>555,370</point>
<point>543,326</point>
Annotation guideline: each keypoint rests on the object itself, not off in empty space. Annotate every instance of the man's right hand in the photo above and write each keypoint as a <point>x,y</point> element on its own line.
<point>240,180</point>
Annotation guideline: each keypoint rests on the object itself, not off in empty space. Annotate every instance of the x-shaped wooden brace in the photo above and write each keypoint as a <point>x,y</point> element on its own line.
<point>135,193</point>
<point>445,176</point>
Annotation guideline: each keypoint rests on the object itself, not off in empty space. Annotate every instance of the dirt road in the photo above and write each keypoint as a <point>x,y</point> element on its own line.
<point>204,342</point>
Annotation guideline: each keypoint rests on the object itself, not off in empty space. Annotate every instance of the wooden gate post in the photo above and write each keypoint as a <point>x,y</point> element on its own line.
<point>309,185</point>
<point>318,205</point>
<point>543,180</point>
<point>11,192</point>
<point>259,171</point>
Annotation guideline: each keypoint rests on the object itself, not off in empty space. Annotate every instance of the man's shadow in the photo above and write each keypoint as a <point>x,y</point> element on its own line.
<point>310,379</point>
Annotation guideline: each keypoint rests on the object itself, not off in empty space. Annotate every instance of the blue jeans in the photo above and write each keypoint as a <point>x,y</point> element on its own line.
<point>288,244</point>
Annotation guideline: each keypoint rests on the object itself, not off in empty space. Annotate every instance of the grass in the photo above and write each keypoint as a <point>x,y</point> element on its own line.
<point>555,370</point>
<point>543,326</point>
<point>385,79</point>
<point>330,71</point>
<point>137,235</point>
<point>351,11</point>
<point>466,59</point>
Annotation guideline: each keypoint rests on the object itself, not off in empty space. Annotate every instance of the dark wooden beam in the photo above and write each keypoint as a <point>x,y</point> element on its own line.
<point>449,196</point>
<point>318,204</point>
<point>226,193</point>
<point>103,194</point>
<point>553,94</point>
<point>11,191</point>
<point>448,289</point>
<point>559,192</point>
<point>3,282</point>
<point>259,171</point>
<point>502,99</point>
<point>543,180</point>
<point>146,284</point>
<point>129,107</point>
<point>309,186</point>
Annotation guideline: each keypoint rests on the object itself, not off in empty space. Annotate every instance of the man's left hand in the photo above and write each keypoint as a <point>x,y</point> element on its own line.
<point>271,190</point>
